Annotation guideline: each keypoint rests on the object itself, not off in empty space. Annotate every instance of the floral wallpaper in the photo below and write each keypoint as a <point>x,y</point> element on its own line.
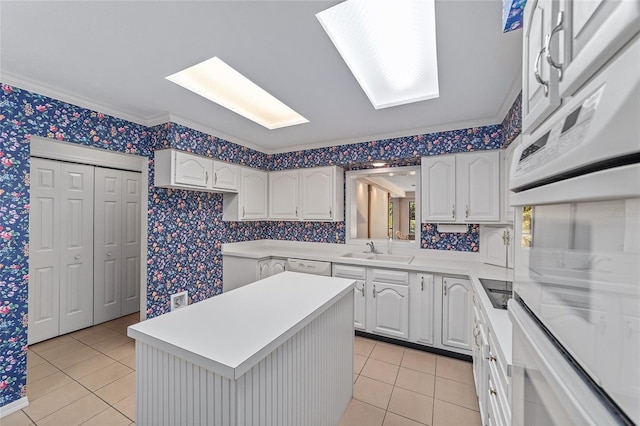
<point>430,238</point>
<point>23,114</point>
<point>512,13</point>
<point>185,228</point>
<point>512,123</point>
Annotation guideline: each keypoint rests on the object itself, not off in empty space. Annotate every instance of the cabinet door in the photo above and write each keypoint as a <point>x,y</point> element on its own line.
<point>192,170</point>
<point>594,31</point>
<point>264,269</point>
<point>390,309</point>
<point>478,185</point>
<point>425,309</point>
<point>438,189</point>
<point>493,245</point>
<point>283,195</point>
<point>318,193</point>
<point>225,175</point>
<point>254,194</point>
<point>456,313</point>
<point>360,305</point>
<point>278,265</point>
<point>540,92</point>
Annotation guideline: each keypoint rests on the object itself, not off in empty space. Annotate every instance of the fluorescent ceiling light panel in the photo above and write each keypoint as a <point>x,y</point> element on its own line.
<point>389,46</point>
<point>215,80</point>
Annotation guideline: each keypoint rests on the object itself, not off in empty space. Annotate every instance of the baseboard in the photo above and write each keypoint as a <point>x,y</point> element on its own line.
<point>14,406</point>
<point>417,346</point>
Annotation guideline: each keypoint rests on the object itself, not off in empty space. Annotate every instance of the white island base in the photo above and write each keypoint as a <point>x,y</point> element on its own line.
<point>275,352</point>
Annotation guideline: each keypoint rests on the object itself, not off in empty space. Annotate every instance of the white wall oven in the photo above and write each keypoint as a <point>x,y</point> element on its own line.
<point>576,306</point>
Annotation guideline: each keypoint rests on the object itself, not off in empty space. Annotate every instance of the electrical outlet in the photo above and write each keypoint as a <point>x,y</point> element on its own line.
<point>179,300</point>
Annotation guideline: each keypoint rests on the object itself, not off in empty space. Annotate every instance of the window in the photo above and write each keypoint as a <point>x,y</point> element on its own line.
<point>412,217</point>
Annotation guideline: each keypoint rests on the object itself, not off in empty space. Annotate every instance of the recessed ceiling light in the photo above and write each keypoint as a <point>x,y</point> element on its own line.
<point>378,164</point>
<point>215,80</point>
<point>389,46</point>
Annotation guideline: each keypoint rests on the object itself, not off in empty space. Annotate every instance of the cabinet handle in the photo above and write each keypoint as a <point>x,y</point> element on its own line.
<point>422,284</point>
<point>555,30</point>
<point>76,257</point>
<point>466,212</point>
<point>242,211</point>
<point>363,286</point>
<point>492,357</point>
<point>330,212</point>
<point>374,291</point>
<point>215,178</point>
<point>206,177</point>
<point>492,391</point>
<point>453,211</point>
<point>296,211</point>
<point>108,254</point>
<point>445,288</point>
<point>536,70</point>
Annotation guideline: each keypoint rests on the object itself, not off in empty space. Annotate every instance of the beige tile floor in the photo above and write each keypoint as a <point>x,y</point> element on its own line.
<point>88,377</point>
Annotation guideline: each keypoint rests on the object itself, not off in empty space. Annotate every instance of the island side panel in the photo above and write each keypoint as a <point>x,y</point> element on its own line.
<point>306,380</point>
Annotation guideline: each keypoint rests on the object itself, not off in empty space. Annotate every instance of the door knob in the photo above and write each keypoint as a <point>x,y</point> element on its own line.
<point>108,254</point>
<point>76,257</point>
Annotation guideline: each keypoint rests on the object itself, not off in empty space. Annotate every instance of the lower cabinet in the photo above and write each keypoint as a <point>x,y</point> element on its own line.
<point>422,310</point>
<point>240,271</point>
<point>456,313</point>
<point>360,294</point>
<point>390,309</point>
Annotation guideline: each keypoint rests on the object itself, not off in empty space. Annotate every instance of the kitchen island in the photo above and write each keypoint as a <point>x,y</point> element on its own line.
<point>277,351</point>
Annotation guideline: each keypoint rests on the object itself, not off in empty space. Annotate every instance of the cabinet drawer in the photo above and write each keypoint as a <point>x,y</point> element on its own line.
<point>496,413</point>
<point>387,276</point>
<point>345,271</point>
<point>500,362</point>
<point>498,390</point>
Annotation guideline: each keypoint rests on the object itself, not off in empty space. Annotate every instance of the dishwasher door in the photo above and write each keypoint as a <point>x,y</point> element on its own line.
<point>309,267</point>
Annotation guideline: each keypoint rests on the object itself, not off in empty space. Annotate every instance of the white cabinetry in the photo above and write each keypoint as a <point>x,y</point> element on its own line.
<point>250,203</point>
<point>565,43</point>
<point>421,310</point>
<point>508,213</point>
<point>322,194</point>
<point>278,265</point>
<point>461,188</point>
<point>390,305</point>
<point>184,170</point>
<point>456,313</point>
<point>359,274</point>
<point>496,245</point>
<point>283,195</point>
<point>540,91</point>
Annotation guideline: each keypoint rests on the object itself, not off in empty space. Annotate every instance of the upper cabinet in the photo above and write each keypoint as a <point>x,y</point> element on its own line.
<point>540,90</point>
<point>184,170</point>
<point>461,188</point>
<point>322,193</point>
<point>283,195</point>
<point>250,203</point>
<point>565,43</point>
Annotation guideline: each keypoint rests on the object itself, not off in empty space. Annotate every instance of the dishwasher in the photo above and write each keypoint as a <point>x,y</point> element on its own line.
<point>313,267</point>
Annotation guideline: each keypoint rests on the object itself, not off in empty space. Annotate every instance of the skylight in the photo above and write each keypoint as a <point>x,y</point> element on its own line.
<point>218,82</point>
<point>389,46</point>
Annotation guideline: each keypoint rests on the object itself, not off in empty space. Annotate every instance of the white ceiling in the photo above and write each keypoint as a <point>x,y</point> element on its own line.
<point>114,56</point>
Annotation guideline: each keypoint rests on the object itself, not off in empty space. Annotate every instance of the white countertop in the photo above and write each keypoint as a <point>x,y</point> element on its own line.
<point>230,333</point>
<point>462,264</point>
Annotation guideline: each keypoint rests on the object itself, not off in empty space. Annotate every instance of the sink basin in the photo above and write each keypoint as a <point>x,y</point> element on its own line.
<point>379,256</point>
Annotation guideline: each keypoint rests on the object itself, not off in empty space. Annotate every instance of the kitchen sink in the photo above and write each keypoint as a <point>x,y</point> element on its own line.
<point>379,256</point>
<point>498,291</point>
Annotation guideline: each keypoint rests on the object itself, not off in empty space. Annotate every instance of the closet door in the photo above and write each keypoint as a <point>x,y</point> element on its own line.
<point>130,242</point>
<point>61,249</point>
<point>108,245</point>
<point>76,247</point>
<point>44,259</point>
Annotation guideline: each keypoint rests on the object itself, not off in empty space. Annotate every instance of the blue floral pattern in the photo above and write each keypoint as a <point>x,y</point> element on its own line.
<point>185,228</point>
<point>512,123</point>
<point>512,14</point>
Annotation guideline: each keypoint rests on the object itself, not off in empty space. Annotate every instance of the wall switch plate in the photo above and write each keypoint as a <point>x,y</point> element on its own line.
<point>179,300</point>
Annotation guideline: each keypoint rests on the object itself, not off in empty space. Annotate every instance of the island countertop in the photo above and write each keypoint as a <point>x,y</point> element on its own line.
<point>230,333</point>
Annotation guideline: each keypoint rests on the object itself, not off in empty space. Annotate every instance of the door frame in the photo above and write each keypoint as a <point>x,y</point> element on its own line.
<point>72,152</point>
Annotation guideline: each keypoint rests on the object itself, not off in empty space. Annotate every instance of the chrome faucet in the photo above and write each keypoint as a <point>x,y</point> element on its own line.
<point>372,247</point>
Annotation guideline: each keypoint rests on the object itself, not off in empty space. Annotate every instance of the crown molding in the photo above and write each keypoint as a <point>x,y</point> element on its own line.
<point>457,125</point>
<point>68,97</point>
